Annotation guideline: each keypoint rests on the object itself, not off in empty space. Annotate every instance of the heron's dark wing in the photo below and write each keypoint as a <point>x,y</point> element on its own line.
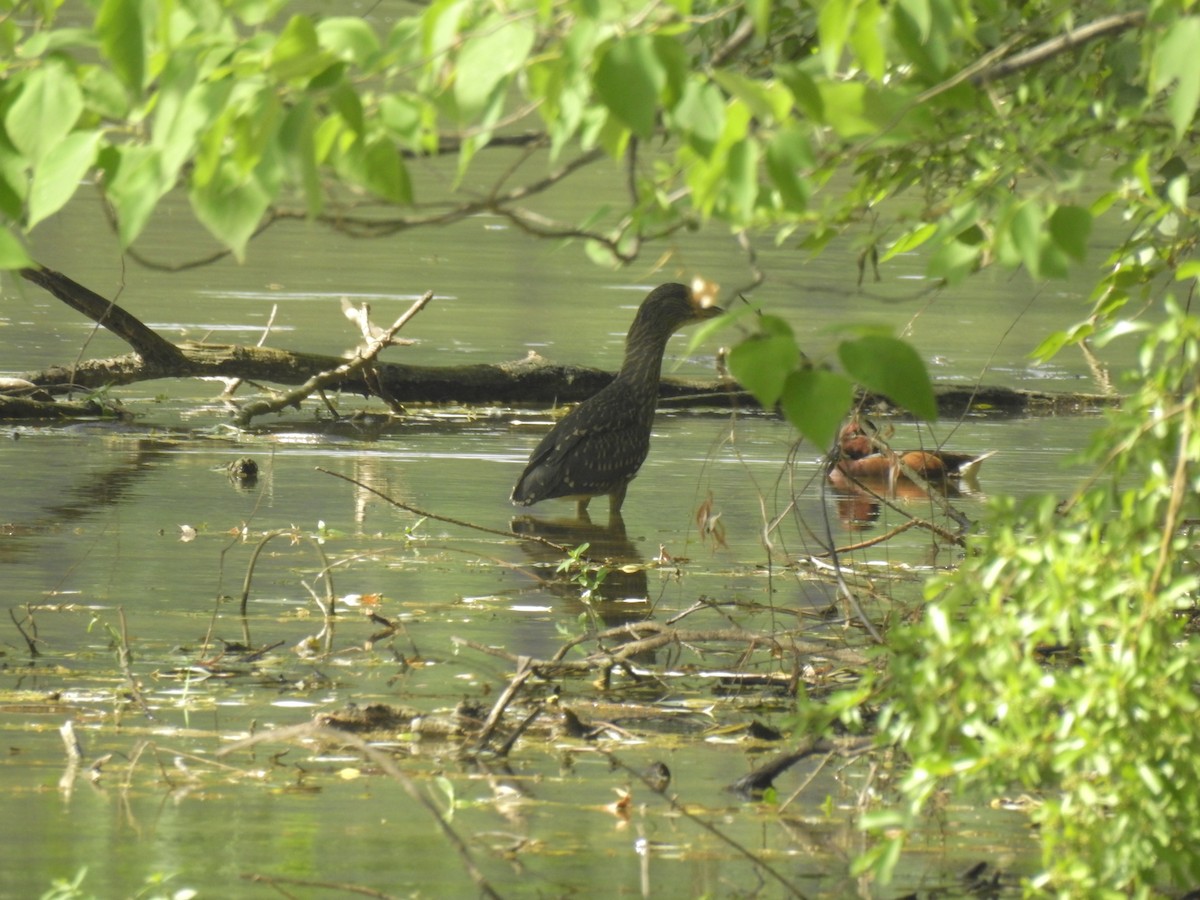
<point>594,449</point>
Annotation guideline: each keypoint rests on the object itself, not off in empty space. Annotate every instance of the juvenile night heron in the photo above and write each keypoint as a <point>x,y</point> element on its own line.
<point>599,446</point>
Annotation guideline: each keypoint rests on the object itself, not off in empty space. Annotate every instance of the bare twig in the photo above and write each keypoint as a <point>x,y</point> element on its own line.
<point>30,642</point>
<point>328,609</point>
<point>524,670</point>
<point>364,356</point>
<point>425,514</point>
<point>125,660</point>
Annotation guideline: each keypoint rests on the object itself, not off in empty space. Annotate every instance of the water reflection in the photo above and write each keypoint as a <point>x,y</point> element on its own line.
<point>89,493</point>
<point>621,596</point>
<point>860,502</point>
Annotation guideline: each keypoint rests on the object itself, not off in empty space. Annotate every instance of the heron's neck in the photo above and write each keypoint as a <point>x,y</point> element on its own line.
<point>642,367</point>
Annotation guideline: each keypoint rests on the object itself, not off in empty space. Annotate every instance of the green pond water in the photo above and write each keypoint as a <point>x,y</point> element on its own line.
<point>138,522</point>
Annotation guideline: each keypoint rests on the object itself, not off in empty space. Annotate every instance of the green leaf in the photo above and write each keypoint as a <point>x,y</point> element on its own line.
<point>910,241</point>
<point>498,47</point>
<point>350,38</point>
<point>955,259</point>
<point>1025,233</point>
<point>889,366</point>
<point>833,28</point>
<point>57,176</point>
<point>700,113</point>
<point>185,111</point>
<point>1176,60</point>
<point>706,329</point>
<point>741,180</point>
<point>386,174</point>
<point>816,402</point>
<point>134,184</point>
<point>789,155</point>
<point>762,363</point>
<point>103,92</point>
<point>121,30</point>
<point>760,14</point>
<point>230,206</point>
<point>297,53</point>
<point>439,26</point>
<point>768,102</point>
<point>846,109</point>
<point>297,143</point>
<point>676,62</point>
<point>1049,346</point>
<point>866,40</point>
<point>344,98</point>
<point>629,80</point>
<point>45,111</point>
<point>12,251</point>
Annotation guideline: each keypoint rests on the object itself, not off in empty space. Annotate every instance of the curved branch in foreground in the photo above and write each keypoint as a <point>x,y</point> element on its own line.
<point>146,342</point>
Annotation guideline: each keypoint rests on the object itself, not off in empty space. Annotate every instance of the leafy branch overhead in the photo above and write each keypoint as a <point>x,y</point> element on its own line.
<point>792,120</point>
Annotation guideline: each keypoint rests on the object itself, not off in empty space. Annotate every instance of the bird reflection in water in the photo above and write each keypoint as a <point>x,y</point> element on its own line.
<point>621,596</point>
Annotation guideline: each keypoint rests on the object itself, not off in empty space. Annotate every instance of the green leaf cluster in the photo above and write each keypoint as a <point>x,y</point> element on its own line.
<point>817,399</point>
<point>1061,659</point>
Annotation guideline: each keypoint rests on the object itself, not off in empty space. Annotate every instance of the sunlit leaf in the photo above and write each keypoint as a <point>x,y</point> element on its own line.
<point>816,402</point>
<point>629,79</point>
<point>44,112</point>
<point>439,26</point>
<point>847,110</point>
<point>12,251</point>
<point>707,329</point>
<point>230,206</point>
<point>57,176</point>
<point>121,30</point>
<point>1069,229</point>
<point>910,241</point>
<point>134,185</point>
<point>954,260</point>
<point>866,40</point>
<point>349,37</point>
<point>1025,231</point>
<point>890,366</point>
<point>701,114</point>
<point>760,14</point>
<point>833,28</point>
<point>789,154</point>
<point>496,49</point>
<point>1118,329</point>
<point>762,363</point>
<point>766,101</point>
<point>741,179</point>
<point>1049,346</point>
<point>1176,60</point>
<point>297,53</point>
<point>298,145</point>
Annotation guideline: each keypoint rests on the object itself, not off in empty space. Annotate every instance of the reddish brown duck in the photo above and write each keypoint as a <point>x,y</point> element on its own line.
<point>860,458</point>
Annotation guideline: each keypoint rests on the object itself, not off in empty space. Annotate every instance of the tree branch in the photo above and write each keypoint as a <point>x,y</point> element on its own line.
<point>148,344</point>
<point>1061,44</point>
